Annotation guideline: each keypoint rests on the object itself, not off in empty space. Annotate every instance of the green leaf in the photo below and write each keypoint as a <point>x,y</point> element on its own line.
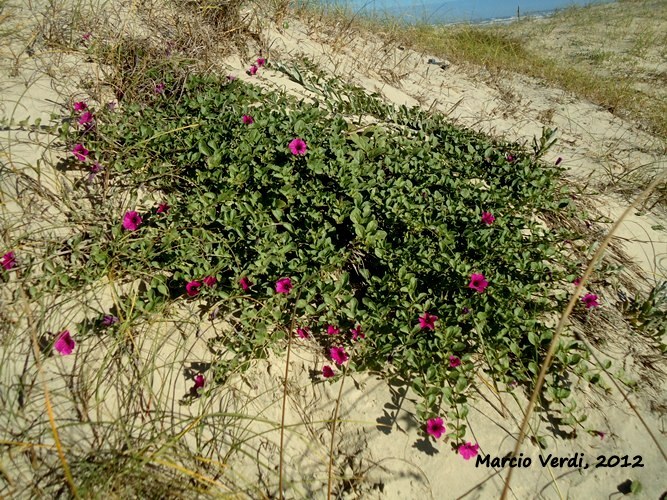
<point>204,148</point>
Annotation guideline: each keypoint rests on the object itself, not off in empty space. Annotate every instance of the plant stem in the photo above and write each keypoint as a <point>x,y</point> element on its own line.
<point>333,430</point>
<point>282,416</point>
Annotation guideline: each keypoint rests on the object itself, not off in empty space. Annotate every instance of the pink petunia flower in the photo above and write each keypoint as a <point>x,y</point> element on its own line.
<point>435,427</point>
<point>488,218</point>
<point>427,320</point>
<point>80,152</point>
<point>591,300</point>
<point>332,330</point>
<point>357,333</point>
<point>247,120</point>
<point>192,288</point>
<point>327,371</point>
<point>478,282</point>
<point>338,355</point>
<point>303,333</point>
<point>200,380</point>
<point>162,208</point>
<point>468,450</point>
<point>245,283</point>
<point>252,71</point>
<point>261,61</point>
<point>210,280</point>
<point>576,282</point>
<point>86,36</point>
<point>454,362</point>
<point>298,147</point>
<point>132,220</point>
<point>64,344</point>
<point>284,285</point>
<point>80,106</point>
<point>86,118</point>
<point>159,88</point>
<point>8,261</point>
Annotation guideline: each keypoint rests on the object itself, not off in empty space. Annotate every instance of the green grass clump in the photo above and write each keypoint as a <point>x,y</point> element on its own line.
<point>375,225</point>
<point>501,52</point>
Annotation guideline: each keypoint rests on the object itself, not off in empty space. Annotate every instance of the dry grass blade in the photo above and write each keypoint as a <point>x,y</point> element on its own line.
<point>333,435</point>
<point>47,399</point>
<point>284,402</point>
<point>561,324</point>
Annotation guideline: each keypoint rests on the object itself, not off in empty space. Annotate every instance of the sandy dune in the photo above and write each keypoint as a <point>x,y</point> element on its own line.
<point>380,449</point>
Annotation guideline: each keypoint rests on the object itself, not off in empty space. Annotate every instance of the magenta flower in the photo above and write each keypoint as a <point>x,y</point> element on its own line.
<point>284,285</point>
<point>80,106</point>
<point>576,282</point>
<point>86,36</point>
<point>64,344</point>
<point>338,355</point>
<point>231,78</point>
<point>245,283</point>
<point>478,282</point>
<point>468,450</point>
<point>162,208</point>
<point>298,147</point>
<point>200,380</point>
<point>488,218</point>
<point>261,62</point>
<point>159,88</point>
<point>591,300</point>
<point>510,157</point>
<point>327,371</point>
<point>86,118</point>
<point>332,330</point>
<point>357,333</point>
<point>558,161</point>
<point>192,288</point>
<point>427,320</point>
<point>247,120</point>
<point>8,261</point>
<point>252,71</point>
<point>80,152</point>
<point>454,362</point>
<point>132,220</point>
<point>435,427</point>
<point>303,333</point>
<point>96,168</point>
<point>602,434</point>
<point>210,280</point>
<point>108,320</point>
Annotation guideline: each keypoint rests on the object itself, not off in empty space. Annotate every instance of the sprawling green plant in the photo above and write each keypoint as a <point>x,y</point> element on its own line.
<point>428,241</point>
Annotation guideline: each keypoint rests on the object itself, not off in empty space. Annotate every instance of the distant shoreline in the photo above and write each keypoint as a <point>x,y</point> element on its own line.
<point>405,16</point>
<point>541,14</point>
